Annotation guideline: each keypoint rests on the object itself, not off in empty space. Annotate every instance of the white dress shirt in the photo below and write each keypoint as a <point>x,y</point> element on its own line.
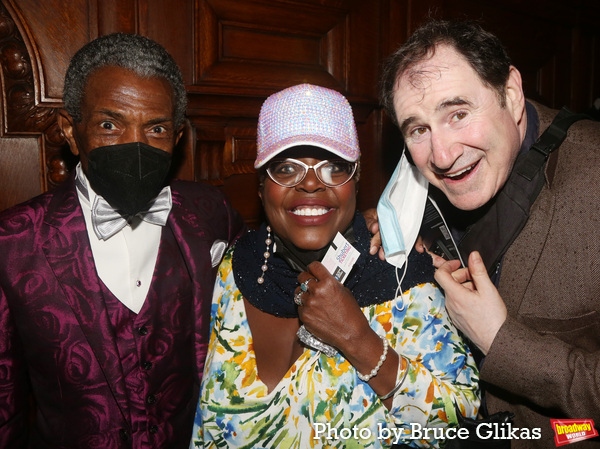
<point>125,262</point>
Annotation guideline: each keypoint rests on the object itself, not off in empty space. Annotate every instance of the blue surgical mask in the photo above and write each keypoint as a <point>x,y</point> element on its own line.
<point>400,211</point>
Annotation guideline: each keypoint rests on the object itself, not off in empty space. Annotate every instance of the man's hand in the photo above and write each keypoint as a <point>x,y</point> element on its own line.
<point>373,227</point>
<point>472,300</point>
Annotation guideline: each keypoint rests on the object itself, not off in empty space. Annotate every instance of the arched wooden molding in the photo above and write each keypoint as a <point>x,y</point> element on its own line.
<point>24,113</point>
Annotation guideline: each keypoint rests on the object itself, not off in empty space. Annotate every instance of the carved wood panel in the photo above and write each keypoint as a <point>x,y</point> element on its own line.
<point>554,44</point>
<point>26,110</point>
<point>233,54</point>
<point>270,45</point>
<point>244,51</point>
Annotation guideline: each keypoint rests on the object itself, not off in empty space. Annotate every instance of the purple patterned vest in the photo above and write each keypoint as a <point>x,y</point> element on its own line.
<point>156,349</point>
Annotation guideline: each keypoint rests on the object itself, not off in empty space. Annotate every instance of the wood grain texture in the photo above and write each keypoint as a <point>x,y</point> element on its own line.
<point>234,54</point>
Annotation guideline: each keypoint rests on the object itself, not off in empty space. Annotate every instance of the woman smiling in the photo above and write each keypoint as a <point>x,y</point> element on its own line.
<point>397,359</point>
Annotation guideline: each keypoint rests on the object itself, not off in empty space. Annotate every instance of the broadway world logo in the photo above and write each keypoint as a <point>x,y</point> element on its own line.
<point>568,431</point>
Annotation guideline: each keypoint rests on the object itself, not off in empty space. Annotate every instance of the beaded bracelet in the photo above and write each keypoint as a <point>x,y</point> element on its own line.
<point>398,385</point>
<point>374,371</point>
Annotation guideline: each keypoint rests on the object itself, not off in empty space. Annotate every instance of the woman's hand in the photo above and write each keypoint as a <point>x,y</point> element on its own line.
<point>331,313</point>
<point>329,310</point>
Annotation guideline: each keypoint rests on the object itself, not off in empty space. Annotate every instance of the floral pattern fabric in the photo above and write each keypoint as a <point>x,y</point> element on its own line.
<point>321,402</point>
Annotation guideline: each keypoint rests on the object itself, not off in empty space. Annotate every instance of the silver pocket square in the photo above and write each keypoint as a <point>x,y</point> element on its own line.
<point>217,251</point>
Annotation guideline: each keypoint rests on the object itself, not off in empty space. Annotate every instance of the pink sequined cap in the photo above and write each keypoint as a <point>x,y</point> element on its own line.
<point>306,115</point>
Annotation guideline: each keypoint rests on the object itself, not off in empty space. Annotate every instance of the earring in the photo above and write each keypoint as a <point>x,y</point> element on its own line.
<point>266,255</point>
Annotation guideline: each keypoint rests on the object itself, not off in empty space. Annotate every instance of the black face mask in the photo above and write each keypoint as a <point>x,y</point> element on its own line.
<point>128,175</point>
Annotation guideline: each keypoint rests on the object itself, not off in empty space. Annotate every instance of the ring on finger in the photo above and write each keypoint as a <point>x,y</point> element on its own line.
<point>298,298</point>
<point>304,285</point>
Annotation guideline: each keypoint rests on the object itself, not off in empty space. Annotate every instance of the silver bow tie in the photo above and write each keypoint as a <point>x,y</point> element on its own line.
<point>106,221</point>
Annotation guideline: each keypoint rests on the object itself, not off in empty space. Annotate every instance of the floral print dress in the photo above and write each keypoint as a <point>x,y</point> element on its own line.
<point>321,402</point>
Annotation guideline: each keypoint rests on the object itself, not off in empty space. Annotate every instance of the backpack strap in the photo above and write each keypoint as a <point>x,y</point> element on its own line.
<point>549,141</point>
<point>506,216</point>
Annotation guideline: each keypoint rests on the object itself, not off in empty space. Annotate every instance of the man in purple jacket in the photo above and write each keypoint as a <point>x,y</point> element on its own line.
<point>105,282</point>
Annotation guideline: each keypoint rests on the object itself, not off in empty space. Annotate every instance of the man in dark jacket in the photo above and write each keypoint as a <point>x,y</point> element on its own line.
<point>460,106</point>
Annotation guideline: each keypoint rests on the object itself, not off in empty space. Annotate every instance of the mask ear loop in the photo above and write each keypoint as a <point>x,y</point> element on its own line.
<point>399,292</point>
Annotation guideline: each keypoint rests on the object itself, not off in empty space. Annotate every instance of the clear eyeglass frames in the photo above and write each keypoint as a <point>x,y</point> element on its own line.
<point>290,172</point>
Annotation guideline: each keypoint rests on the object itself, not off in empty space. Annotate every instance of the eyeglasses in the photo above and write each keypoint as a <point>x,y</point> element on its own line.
<point>291,172</point>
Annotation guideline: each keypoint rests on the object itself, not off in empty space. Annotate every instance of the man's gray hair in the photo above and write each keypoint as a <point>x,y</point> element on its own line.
<point>137,53</point>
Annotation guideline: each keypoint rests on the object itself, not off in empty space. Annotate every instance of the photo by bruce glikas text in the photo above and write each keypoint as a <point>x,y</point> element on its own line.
<point>484,431</point>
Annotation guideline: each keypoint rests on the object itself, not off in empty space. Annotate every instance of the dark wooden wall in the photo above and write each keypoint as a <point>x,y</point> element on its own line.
<point>234,53</point>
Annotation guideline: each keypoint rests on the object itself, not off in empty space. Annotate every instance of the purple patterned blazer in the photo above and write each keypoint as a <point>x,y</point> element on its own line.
<point>57,344</point>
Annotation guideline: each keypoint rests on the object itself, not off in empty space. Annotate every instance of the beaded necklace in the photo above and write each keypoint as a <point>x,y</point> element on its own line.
<point>371,281</point>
